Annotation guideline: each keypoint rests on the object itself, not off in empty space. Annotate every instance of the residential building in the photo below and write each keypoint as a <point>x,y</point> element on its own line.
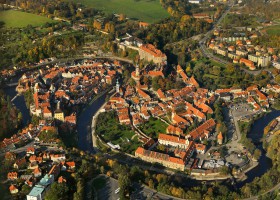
<point>264,61</point>
<point>12,176</point>
<point>200,148</point>
<point>13,189</point>
<point>164,159</point>
<point>247,63</point>
<point>233,56</point>
<point>253,58</point>
<point>174,141</point>
<point>222,52</point>
<point>195,1</point>
<point>241,52</point>
<point>203,130</point>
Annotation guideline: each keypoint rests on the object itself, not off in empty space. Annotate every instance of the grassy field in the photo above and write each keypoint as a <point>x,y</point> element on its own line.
<point>13,18</point>
<point>145,10</point>
<point>153,127</point>
<point>110,130</point>
<point>273,30</point>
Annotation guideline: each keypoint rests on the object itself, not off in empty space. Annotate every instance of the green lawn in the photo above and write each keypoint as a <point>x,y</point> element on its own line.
<point>145,10</point>
<point>13,18</point>
<point>109,128</point>
<point>153,127</point>
<point>273,30</point>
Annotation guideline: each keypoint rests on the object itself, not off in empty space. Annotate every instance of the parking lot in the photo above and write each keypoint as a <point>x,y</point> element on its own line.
<point>241,110</point>
<point>234,159</point>
<point>108,191</point>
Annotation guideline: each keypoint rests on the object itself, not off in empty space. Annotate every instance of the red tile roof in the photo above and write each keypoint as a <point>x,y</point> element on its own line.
<point>151,49</point>
<point>196,133</point>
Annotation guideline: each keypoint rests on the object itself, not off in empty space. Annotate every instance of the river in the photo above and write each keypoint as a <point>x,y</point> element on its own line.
<point>85,140</point>
<point>84,124</point>
<point>256,135</point>
<point>19,103</point>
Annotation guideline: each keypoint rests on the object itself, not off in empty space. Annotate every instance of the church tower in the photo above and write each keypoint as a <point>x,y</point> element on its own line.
<point>117,86</point>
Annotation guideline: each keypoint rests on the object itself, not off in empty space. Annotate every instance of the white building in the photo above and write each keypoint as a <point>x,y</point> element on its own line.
<point>37,193</point>
<point>195,1</point>
<point>174,141</point>
<point>263,61</point>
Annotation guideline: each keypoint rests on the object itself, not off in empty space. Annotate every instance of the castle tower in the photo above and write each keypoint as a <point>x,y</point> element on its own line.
<point>137,72</point>
<point>220,138</point>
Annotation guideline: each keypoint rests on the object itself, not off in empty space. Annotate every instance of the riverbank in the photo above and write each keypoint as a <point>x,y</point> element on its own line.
<point>93,124</point>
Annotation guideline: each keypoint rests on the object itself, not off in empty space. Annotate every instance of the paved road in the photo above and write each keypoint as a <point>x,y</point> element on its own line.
<point>143,192</point>
<point>276,187</point>
<point>31,144</point>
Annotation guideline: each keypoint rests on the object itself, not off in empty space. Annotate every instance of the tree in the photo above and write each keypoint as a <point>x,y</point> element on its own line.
<point>257,154</point>
<point>224,170</point>
<point>131,82</point>
<point>151,184</point>
<point>277,79</point>
<point>155,84</point>
<point>124,183</point>
<point>58,191</point>
<point>25,189</point>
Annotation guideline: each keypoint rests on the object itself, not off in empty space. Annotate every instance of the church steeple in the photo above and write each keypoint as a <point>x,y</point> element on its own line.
<point>117,86</point>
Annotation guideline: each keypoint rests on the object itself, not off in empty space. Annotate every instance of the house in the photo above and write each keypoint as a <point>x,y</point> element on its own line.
<point>174,130</point>
<point>12,176</point>
<point>200,132</point>
<point>32,159</point>
<point>143,24</point>
<point>61,179</point>
<point>10,156</point>
<point>20,163</point>
<point>30,182</point>
<point>47,114</point>
<point>226,96</point>
<point>247,63</point>
<point>37,172</point>
<point>71,165</point>
<point>200,148</point>
<point>161,95</point>
<point>13,189</point>
<point>37,193</point>
<point>30,151</point>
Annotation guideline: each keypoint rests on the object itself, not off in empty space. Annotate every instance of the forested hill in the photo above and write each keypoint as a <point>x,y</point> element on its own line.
<point>10,117</point>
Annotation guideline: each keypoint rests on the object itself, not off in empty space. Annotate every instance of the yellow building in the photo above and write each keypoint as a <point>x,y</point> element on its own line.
<point>58,113</point>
